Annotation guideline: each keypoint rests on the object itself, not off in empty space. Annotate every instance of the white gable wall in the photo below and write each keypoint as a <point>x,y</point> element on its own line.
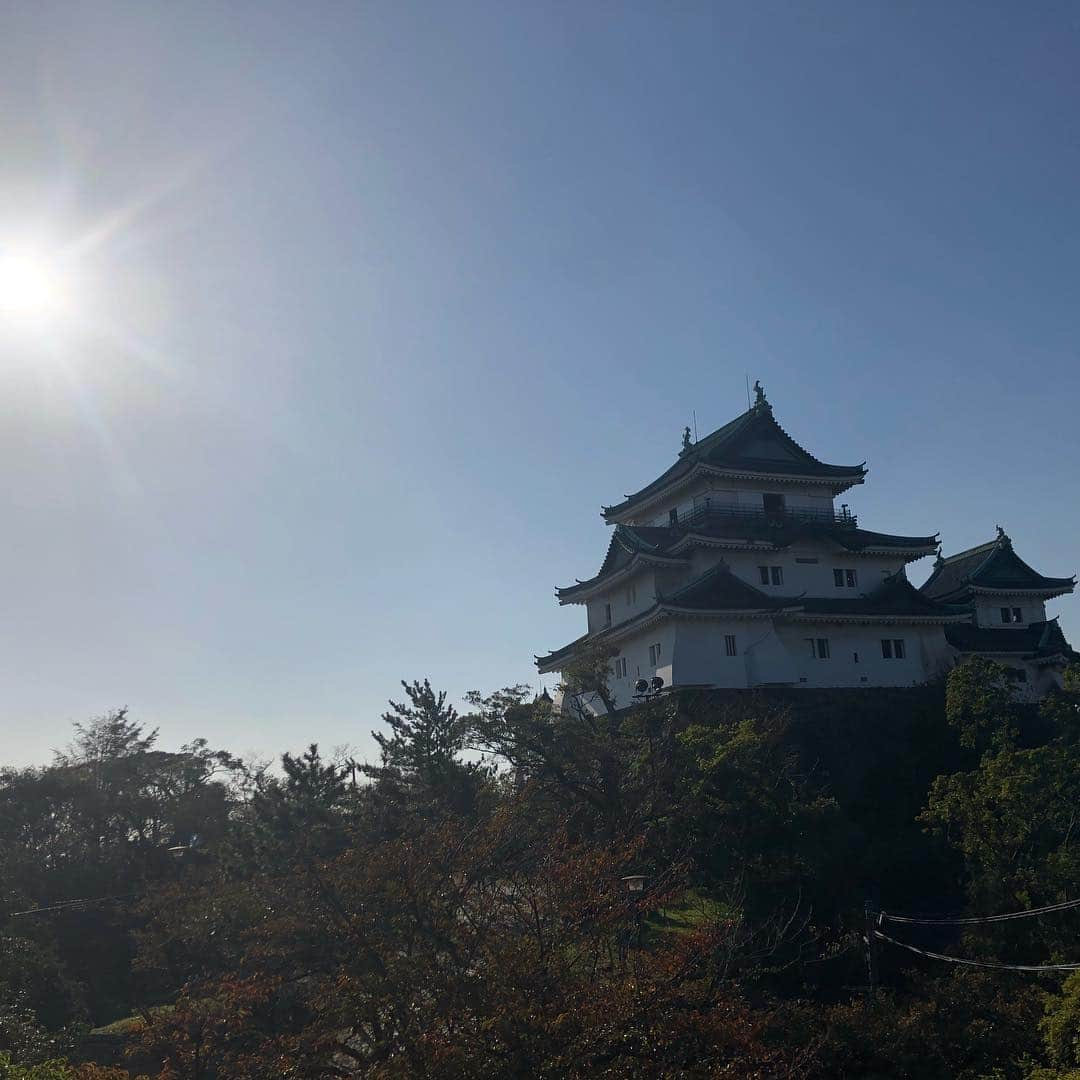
<point>988,610</point>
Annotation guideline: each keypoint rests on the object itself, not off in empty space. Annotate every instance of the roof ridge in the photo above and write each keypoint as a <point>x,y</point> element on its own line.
<point>967,553</point>
<point>721,565</point>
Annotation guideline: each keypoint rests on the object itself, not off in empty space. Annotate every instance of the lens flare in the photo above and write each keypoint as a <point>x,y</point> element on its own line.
<point>33,288</point>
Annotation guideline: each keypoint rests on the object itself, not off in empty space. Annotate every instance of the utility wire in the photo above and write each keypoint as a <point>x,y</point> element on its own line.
<point>976,963</point>
<point>971,920</point>
<point>67,904</point>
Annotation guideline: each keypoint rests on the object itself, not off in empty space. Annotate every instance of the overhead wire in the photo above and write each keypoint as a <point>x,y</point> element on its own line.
<point>971,920</point>
<point>992,965</point>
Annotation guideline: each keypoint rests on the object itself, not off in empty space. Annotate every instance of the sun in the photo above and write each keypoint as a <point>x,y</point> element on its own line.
<point>33,288</point>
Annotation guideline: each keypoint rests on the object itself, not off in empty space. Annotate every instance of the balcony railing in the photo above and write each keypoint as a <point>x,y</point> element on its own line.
<point>704,515</point>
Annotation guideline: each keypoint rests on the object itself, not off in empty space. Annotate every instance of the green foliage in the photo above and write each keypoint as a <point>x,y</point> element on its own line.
<point>1014,817</point>
<point>460,918</point>
<point>979,703</point>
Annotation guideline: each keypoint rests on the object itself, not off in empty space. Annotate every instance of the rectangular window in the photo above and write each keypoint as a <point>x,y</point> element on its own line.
<point>631,595</point>
<point>673,516</point>
<point>898,649</point>
<point>777,574</point>
<point>838,578</point>
<point>886,648</point>
<point>729,645</point>
<point>654,654</point>
<point>849,578</point>
<point>607,614</point>
<point>844,579</point>
<point>773,504</point>
<point>620,667</point>
<point>1018,615</point>
<point>1006,615</point>
<point>818,648</point>
<point>763,573</point>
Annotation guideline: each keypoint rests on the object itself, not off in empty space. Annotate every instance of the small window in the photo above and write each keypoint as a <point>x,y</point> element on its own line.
<point>607,614</point>
<point>818,648</point>
<point>898,649</point>
<point>654,654</point>
<point>729,645</point>
<point>631,595</point>
<point>773,504</point>
<point>850,579</point>
<point>886,648</point>
<point>1018,616</point>
<point>620,667</point>
<point>777,573</point>
<point>673,516</point>
<point>844,579</point>
<point>855,657</point>
<point>838,578</point>
<point>1006,615</point>
<point>763,573</point>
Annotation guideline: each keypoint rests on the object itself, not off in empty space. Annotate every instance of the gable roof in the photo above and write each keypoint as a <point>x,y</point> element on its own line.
<point>751,443</point>
<point>719,591</point>
<point>665,544</point>
<point>992,567</point>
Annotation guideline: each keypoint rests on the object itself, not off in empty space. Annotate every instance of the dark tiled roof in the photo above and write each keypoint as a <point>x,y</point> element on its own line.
<point>561,654</point>
<point>719,589</point>
<point>629,540</point>
<point>895,596</point>
<point>1037,639</point>
<point>752,442</point>
<point>989,566</point>
<point>626,542</point>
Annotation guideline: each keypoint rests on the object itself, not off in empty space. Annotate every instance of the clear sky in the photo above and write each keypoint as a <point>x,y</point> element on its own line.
<point>377,303</point>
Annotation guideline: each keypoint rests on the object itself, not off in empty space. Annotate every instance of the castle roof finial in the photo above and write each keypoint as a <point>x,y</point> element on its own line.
<point>939,560</point>
<point>686,444</point>
<point>759,396</point>
<point>1003,537</point>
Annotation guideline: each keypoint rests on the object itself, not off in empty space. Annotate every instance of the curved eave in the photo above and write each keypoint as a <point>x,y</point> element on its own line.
<point>636,504</point>
<point>871,618</point>
<point>908,554</point>
<point>583,591</point>
<point>718,613</point>
<point>1061,587</point>
<point>1059,658</point>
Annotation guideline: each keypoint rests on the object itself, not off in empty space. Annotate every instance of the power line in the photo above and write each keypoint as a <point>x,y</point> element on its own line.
<point>975,963</point>
<point>65,905</point>
<point>971,920</point>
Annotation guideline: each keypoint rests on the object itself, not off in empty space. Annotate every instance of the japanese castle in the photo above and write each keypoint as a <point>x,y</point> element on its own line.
<point>734,568</point>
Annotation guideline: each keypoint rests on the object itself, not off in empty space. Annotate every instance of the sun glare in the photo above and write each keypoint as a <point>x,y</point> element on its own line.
<point>32,288</point>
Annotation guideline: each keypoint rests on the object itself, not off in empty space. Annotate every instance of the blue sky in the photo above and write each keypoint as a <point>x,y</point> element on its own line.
<point>382,301</point>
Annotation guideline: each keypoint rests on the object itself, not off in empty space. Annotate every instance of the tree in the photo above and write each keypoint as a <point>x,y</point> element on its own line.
<point>421,771</point>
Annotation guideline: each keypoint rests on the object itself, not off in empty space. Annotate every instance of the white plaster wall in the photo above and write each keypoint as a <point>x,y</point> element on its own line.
<point>636,651</point>
<point>871,669</point>
<point>701,656</point>
<point>988,610</point>
<point>814,579</point>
